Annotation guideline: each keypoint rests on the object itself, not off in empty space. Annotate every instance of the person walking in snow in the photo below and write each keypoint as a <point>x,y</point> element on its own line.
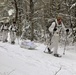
<point>55,29</point>
<point>13,30</point>
<point>4,30</point>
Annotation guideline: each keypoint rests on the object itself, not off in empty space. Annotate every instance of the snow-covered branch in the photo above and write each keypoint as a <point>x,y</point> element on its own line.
<point>67,15</point>
<point>27,2</point>
<point>2,3</point>
<point>73,5</point>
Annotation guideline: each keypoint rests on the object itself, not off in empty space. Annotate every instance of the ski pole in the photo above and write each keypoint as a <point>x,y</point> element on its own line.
<point>64,48</point>
<point>67,30</point>
<point>45,49</point>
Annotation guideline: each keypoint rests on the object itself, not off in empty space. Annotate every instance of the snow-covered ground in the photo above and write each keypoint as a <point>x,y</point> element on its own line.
<point>19,61</point>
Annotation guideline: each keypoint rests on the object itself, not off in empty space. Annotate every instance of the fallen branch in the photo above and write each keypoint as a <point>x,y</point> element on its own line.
<point>58,71</point>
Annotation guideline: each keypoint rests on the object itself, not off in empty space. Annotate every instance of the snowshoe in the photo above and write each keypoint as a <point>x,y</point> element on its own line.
<point>57,55</point>
<point>49,52</point>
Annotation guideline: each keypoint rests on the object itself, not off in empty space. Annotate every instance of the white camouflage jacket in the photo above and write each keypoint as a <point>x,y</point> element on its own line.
<point>59,28</point>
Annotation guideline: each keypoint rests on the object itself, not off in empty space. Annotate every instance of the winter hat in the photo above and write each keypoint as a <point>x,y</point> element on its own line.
<point>59,20</point>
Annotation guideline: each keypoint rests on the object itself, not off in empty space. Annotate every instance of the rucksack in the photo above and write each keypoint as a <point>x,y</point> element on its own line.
<point>4,27</point>
<point>55,28</point>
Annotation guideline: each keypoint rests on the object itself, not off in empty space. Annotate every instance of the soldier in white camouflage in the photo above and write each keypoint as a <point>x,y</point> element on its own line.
<point>55,29</point>
<point>13,30</point>
<point>4,30</point>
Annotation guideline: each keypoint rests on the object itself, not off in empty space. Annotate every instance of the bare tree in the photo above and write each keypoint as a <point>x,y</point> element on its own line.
<point>16,9</point>
<point>31,19</point>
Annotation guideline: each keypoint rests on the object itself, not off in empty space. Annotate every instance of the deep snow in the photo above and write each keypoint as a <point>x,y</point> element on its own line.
<point>19,61</point>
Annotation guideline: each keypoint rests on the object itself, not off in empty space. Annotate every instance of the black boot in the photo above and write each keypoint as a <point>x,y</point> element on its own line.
<point>6,40</point>
<point>12,42</point>
<point>49,51</point>
<point>3,41</point>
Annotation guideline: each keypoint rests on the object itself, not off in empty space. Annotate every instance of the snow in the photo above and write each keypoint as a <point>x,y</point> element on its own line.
<point>11,11</point>
<point>19,61</point>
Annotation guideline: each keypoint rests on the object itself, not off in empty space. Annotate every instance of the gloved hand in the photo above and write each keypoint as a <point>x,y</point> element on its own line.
<point>55,29</point>
<point>67,30</point>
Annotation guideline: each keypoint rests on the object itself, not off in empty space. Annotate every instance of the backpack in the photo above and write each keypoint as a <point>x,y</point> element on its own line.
<point>4,27</point>
<point>55,28</point>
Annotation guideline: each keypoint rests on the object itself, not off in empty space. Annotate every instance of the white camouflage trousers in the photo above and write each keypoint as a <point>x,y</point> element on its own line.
<point>54,44</point>
<point>12,36</point>
<point>4,35</point>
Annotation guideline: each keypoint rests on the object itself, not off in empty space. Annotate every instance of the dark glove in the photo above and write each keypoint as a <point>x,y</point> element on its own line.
<point>15,31</point>
<point>55,29</point>
<point>67,30</point>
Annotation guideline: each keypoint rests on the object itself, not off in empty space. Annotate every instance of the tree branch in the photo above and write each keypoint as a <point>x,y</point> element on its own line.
<point>58,71</point>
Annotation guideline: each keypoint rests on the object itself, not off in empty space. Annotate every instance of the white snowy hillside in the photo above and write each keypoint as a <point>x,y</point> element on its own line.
<point>19,61</point>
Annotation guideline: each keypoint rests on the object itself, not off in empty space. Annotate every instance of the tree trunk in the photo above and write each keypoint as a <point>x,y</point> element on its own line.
<point>16,8</point>
<point>75,15</point>
<point>31,19</point>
